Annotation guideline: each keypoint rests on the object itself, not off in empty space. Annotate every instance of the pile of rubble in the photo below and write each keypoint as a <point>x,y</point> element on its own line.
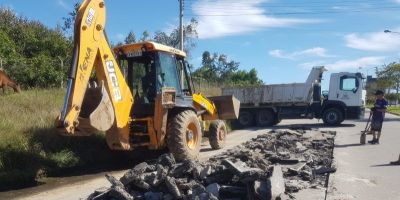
<point>271,166</point>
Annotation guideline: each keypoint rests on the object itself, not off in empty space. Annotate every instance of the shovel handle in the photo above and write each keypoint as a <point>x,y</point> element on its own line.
<point>369,119</point>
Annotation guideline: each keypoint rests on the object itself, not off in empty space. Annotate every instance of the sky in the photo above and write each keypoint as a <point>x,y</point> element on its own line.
<point>282,39</point>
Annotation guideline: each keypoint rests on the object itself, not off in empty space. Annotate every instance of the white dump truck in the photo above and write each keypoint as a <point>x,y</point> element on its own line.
<point>267,105</point>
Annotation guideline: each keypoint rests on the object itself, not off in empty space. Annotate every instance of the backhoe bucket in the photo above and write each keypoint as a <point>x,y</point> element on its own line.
<point>227,106</point>
<point>97,112</point>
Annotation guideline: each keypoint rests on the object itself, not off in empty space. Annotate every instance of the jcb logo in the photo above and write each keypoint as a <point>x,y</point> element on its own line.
<point>114,81</point>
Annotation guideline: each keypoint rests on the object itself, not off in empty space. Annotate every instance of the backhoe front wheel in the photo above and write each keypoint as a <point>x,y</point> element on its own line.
<point>217,134</point>
<point>184,136</point>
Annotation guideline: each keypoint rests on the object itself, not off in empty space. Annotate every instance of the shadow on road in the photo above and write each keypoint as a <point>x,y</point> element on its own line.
<point>206,149</point>
<point>387,119</point>
<point>348,145</point>
<point>309,126</point>
<point>385,165</point>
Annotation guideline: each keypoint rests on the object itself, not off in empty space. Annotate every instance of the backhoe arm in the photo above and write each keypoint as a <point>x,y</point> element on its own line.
<point>92,52</point>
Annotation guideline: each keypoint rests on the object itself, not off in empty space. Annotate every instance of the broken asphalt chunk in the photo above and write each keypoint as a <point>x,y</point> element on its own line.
<point>323,170</point>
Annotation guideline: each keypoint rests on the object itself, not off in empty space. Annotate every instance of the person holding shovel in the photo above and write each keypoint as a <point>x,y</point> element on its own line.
<point>378,114</point>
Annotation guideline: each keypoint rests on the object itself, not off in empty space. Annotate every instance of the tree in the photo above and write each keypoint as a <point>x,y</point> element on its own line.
<point>389,77</point>
<point>131,38</point>
<point>172,39</point>
<point>69,20</point>
<point>31,50</point>
<point>218,69</point>
<point>145,36</point>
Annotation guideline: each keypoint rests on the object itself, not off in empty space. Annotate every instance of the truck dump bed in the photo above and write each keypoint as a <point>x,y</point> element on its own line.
<point>270,94</point>
<point>293,93</point>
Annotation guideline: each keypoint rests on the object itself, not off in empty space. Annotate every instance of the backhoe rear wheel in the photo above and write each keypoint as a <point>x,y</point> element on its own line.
<point>184,136</point>
<point>217,134</point>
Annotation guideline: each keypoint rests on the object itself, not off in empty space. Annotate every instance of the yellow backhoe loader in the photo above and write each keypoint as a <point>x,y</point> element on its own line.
<point>151,105</point>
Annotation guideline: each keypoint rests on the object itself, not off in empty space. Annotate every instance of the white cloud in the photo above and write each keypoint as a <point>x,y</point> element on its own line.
<point>64,5</point>
<point>342,65</point>
<point>375,41</point>
<point>316,51</point>
<point>234,17</point>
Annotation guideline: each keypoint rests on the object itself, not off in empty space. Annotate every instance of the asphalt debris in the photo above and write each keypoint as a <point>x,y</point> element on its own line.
<point>272,166</point>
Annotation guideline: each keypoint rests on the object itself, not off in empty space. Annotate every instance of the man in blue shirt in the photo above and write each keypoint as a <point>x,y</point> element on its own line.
<point>378,114</point>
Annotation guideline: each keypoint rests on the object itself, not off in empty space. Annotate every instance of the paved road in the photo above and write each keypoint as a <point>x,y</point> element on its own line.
<point>362,171</point>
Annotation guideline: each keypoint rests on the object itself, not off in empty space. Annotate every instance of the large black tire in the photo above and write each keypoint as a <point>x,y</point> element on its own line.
<point>332,117</point>
<point>245,119</point>
<point>217,134</point>
<point>265,117</point>
<point>184,136</point>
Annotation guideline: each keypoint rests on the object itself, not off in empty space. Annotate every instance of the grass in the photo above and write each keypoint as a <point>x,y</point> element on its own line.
<point>390,109</point>
<point>394,110</point>
<point>31,148</point>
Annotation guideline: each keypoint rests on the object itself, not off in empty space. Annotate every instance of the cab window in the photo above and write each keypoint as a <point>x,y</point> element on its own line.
<point>168,77</point>
<point>348,83</point>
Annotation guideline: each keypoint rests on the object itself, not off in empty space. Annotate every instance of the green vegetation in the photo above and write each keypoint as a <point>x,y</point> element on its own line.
<point>31,52</point>
<point>394,110</point>
<point>388,80</point>
<point>30,146</point>
<point>218,70</point>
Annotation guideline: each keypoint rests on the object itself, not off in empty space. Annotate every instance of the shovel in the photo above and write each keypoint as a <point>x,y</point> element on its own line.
<point>363,136</point>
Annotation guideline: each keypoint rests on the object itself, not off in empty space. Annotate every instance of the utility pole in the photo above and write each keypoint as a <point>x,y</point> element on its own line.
<point>181,24</point>
<point>181,36</point>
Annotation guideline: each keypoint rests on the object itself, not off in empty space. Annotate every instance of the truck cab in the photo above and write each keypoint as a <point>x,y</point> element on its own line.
<point>346,94</point>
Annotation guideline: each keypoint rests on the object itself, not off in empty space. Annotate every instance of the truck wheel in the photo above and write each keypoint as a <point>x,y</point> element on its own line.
<point>265,118</point>
<point>332,117</point>
<point>245,118</point>
<point>218,134</point>
<point>184,136</point>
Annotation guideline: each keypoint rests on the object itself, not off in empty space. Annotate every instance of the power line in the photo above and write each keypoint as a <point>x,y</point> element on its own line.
<point>344,6</point>
<point>303,13</point>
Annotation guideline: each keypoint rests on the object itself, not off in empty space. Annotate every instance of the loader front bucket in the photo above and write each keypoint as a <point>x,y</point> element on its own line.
<point>227,106</point>
<point>97,112</point>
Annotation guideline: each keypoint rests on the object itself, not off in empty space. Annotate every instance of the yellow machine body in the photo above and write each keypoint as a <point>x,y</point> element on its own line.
<point>107,103</point>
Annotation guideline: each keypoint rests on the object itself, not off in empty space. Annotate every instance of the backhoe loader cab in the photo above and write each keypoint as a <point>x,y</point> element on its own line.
<point>149,68</point>
<point>151,105</point>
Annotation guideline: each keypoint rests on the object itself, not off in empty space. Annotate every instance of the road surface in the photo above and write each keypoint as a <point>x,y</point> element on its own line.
<point>362,170</point>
